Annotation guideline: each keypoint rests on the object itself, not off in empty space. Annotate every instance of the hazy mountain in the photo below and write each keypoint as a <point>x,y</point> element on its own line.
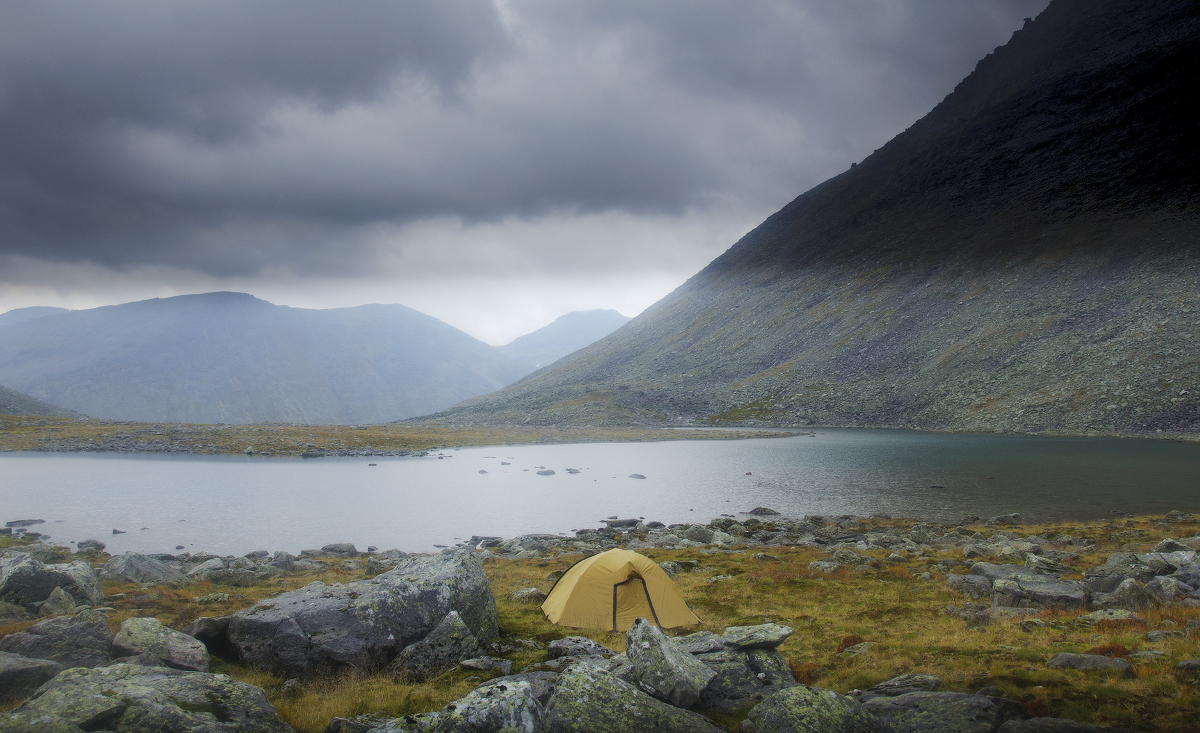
<point>24,314</point>
<point>13,402</point>
<point>566,335</point>
<point>229,357</point>
<point>1024,258</point>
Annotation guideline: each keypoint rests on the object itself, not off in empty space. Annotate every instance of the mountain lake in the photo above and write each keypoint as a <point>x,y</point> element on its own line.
<point>236,504</point>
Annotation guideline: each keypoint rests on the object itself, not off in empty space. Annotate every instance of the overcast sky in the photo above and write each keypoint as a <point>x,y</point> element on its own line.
<point>492,163</point>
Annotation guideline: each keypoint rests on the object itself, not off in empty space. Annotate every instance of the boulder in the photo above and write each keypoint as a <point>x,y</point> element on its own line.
<point>83,640</point>
<point>803,709</point>
<point>589,700</point>
<point>995,571</point>
<point>135,568</point>
<point>25,580</point>
<point>528,595</point>
<point>364,624</point>
<point>763,511</point>
<point>972,586</point>
<point>90,546</point>
<point>340,549</point>
<point>1056,725</point>
<point>1043,565</point>
<point>135,699</point>
<point>662,669</point>
<point>449,643</point>
<point>850,557</point>
<point>1128,595</point>
<point>944,712</point>
<point>1171,545</point>
<point>576,646</point>
<point>1166,590</point>
<point>743,678</point>
<point>20,676</point>
<point>1066,660</point>
<point>9,612</point>
<point>900,685</point>
<point>701,642</point>
<point>239,572</point>
<point>1039,592</point>
<point>698,533</point>
<point>500,705</point>
<point>60,603</point>
<point>762,636</point>
<point>146,636</point>
<point>824,566</point>
<point>1126,565</point>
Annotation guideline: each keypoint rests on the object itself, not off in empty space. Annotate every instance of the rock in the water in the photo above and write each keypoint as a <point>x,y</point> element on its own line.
<point>1056,725</point>
<point>743,678</point>
<point>146,636</point>
<point>60,603</point>
<point>802,709</point>
<point>663,669</point>
<point>25,580</point>
<point>576,646</point>
<point>763,511</point>
<point>1066,660</point>
<point>20,676</point>
<point>135,699</point>
<point>448,644</point>
<point>1040,592</point>
<point>944,712</point>
<point>141,569</point>
<point>83,640</point>
<point>90,546</point>
<point>900,685</point>
<point>528,595</point>
<point>364,624</point>
<point>762,636</point>
<point>589,700</point>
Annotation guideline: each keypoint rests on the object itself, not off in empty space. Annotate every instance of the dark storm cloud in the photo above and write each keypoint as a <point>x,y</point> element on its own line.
<point>226,136</point>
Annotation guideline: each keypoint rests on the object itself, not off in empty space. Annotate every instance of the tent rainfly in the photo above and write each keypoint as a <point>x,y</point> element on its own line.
<point>612,589</point>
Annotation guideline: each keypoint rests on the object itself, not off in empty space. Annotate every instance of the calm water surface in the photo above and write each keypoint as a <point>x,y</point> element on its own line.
<point>233,505</point>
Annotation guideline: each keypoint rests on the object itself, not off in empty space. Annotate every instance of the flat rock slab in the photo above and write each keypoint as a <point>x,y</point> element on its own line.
<point>944,712</point>
<point>134,699</point>
<point>576,646</point>
<point>1039,592</point>
<point>589,700</point>
<point>142,569</point>
<point>363,625</point>
<point>804,709</point>
<point>147,636</point>
<point>1090,662</point>
<point>762,636</point>
<point>83,640</point>
<point>20,676</point>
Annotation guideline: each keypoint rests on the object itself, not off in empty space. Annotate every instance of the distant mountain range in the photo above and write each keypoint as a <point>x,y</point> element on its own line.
<point>1025,258</point>
<point>13,402</point>
<point>232,358</point>
<point>565,335</point>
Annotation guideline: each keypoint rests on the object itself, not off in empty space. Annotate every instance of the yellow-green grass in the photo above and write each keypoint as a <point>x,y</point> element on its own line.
<point>903,615</point>
<point>23,433</point>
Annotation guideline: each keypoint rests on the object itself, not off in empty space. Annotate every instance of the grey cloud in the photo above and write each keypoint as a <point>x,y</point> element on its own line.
<point>225,137</point>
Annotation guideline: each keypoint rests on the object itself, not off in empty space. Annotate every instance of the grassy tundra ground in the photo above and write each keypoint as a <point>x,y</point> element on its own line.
<point>22,433</point>
<point>902,614</point>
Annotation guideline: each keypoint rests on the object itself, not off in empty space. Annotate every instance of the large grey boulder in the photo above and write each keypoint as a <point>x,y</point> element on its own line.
<point>996,571</point>
<point>761,636</point>
<point>60,603</point>
<point>1166,590</point>
<point>1090,662</point>
<point>743,678</point>
<point>362,625</point>
<point>20,676</point>
<point>449,643</point>
<point>944,712</point>
<point>25,580</point>
<point>240,572</point>
<point>1040,592</point>
<point>10,612</point>
<point>136,568</point>
<point>1043,565</point>
<point>1127,595</point>
<point>662,669</point>
<point>698,533</point>
<point>803,709</point>
<point>83,640</point>
<point>972,586</point>
<point>1129,565</point>
<point>589,700</point>
<point>135,699</point>
<point>147,636</point>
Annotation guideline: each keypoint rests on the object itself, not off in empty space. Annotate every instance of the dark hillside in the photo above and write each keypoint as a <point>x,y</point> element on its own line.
<point>1023,258</point>
<point>13,402</point>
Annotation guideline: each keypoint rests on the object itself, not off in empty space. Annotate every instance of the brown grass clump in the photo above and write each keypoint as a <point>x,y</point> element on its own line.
<point>1109,650</point>
<point>849,641</point>
<point>805,673</point>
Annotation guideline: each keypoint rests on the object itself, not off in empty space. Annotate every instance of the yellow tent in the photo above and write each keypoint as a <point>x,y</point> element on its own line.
<point>610,590</point>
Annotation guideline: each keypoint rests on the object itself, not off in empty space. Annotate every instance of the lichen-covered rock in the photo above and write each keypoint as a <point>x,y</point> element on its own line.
<point>10,612</point>
<point>972,586</point>
<point>500,705</point>
<point>1127,565</point>
<point>944,712</point>
<point>60,603</point>
<point>698,533</point>
<point>1056,725</point>
<point>142,569</point>
<point>662,669</point>
<point>589,700</point>
<point>1039,592</point>
<point>25,580</point>
<point>134,699</point>
<point>83,640</point>
<point>997,571</point>
<point>449,643</point>
<point>20,676</point>
<point>1096,662</point>
<point>803,709</point>
<point>528,595</point>
<point>1166,590</point>
<point>1043,565</point>
<point>1128,595</point>
<point>701,642</point>
<point>900,685</point>
<point>147,636</point>
<point>576,646</point>
<point>90,546</point>
<point>824,566</point>
<point>364,624</point>
<point>239,572</point>
<point>761,636</point>
<point>743,678</point>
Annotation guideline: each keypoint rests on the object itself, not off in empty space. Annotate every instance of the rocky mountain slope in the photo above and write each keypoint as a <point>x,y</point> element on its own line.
<point>1024,258</point>
<point>13,402</point>
<point>566,335</point>
<point>230,357</point>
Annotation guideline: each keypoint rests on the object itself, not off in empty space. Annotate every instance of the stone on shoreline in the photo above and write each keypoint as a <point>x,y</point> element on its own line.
<point>83,640</point>
<point>138,568</point>
<point>25,580</point>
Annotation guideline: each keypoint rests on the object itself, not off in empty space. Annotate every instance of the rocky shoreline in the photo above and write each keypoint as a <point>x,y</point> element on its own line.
<point>416,617</point>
